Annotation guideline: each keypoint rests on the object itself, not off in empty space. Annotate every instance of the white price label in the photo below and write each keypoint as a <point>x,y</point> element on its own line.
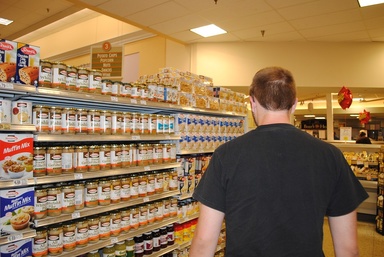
<point>133,101</point>
<point>78,176</point>
<point>114,240</point>
<point>147,168</point>
<point>6,85</point>
<point>14,237</point>
<point>146,199</point>
<point>75,215</point>
<point>114,99</point>
<point>20,182</point>
<point>135,137</point>
<point>143,102</point>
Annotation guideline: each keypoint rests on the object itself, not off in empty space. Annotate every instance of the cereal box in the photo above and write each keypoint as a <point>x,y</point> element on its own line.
<point>8,51</point>
<point>27,64</point>
<point>16,156</point>
<point>16,210</point>
<point>20,248</point>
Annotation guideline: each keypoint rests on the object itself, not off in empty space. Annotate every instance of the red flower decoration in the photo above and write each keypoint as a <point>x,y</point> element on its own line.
<point>364,117</point>
<point>345,98</point>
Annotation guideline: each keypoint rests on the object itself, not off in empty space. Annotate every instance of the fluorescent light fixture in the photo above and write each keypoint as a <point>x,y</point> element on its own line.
<point>5,22</point>
<point>208,31</point>
<point>354,115</point>
<point>364,3</point>
<point>319,118</point>
<point>309,115</point>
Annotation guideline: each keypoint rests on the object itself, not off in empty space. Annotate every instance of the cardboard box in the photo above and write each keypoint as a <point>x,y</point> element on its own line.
<point>20,248</point>
<point>8,50</point>
<point>27,64</point>
<point>16,156</point>
<point>16,210</point>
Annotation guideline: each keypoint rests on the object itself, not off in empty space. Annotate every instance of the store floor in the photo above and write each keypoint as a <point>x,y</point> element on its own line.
<point>371,243</point>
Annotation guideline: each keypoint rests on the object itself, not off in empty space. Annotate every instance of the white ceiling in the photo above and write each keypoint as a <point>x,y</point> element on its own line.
<point>281,20</point>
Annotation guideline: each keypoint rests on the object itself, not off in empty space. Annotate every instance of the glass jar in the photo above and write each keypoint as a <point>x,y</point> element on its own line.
<point>55,239</point>
<point>120,249</point>
<point>81,124</point>
<point>143,181</point>
<point>105,226</point>
<point>94,253</point>
<point>69,236</point>
<point>68,198</point>
<point>54,157</point>
<point>134,186</point>
<point>94,81</point>
<point>116,123</point>
<point>125,156</point>
<point>40,243</point>
<point>106,86</point>
<point>143,126</point>
<point>55,120</point>
<point>68,119</point>
<point>130,247</point>
<point>80,160</point>
<point>82,79</point>
<point>135,214</point>
<point>93,229</point>
<point>115,190</point>
<point>82,233</point>
<point>45,73</point>
<point>59,75</point>
<point>115,156</point>
<point>94,158</point>
<point>135,123</point>
<point>104,192</point>
<point>39,161</point>
<point>67,160</point>
<point>40,118</point>
<point>148,243</point>
<point>105,157</point>
<point>126,124</point>
<point>79,195</point>
<point>156,240</point>
<point>54,201</point>
<point>105,122</point>
<point>159,216</point>
<point>71,79</point>
<point>115,223</point>
<point>125,192</point>
<point>158,154</point>
<point>150,183</point>
<point>151,213</point>
<point>93,122</point>
<point>91,195</point>
<point>40,206</point>
<point>159,179</point>
<point>125,220</point>
<point>109,251</point>
<point>143,215</point>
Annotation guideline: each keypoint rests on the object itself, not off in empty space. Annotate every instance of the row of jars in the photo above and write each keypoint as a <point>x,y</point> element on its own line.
<point>56,160</point>
<point>67,77</point>
<point>65,198</point>
<point>67,120</point>
<point>79,233</point>
<point>184,231</point>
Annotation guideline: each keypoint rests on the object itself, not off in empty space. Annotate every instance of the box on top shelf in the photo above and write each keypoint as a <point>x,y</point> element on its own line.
<point>22,248</point>
<point>8,51</point>
<point>16,156</point>
<point>27,64</point>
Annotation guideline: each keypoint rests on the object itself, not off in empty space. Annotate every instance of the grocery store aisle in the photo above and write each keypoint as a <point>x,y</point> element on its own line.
<point>371,243</point>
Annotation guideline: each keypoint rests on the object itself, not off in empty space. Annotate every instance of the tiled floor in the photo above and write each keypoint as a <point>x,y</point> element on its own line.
<point>371,243</point>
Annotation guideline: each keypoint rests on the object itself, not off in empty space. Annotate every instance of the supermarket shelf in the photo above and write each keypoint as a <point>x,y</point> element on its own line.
<point>187,152</point>
<point>86,175</point>
<point>184,196</point>
<point>164,251</point>
<point>106,138</point>
<point>188,218</point>
<point>88,100</point>
<point>17,236</point>
<point>6,127</point>
<point>132,233</point>
<point>100,209</point>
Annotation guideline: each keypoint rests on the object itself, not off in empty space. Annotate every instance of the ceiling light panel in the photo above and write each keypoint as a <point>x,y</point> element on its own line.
<point>209,30</point>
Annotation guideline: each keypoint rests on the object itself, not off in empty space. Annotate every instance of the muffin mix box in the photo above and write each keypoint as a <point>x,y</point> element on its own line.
<point>16,210</point>
<point>8,51</point>
<point>20,248</point>
<point>16,156</point>
<point>27,64</point>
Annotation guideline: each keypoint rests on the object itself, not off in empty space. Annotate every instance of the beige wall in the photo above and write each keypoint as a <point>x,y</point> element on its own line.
<point>313,64</point>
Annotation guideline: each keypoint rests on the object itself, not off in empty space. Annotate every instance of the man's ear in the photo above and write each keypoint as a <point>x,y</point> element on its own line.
<point>293,108</point>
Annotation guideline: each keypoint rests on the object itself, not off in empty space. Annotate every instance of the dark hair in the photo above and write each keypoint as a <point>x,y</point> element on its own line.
<point>362,134</point>
<point>274,88</point>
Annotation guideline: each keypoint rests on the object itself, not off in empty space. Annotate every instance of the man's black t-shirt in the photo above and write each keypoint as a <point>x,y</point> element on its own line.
<point>275,184</point>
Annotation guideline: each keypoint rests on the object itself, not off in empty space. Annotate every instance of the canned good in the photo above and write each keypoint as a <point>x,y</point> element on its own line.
<point>91,194</point>
<point>71,80</point>
<point>59,75</point>
<point>68,119</point>
<point>104,192</point>
<point>39,161</point>
<point>54,201</point>
<point>93,122</point>
<point>67,160</point>
<point>82,81</point>
<point>40,243</point>
<point>5,111</point>
<point>80,160</point>
<point>105,122</point>
<point>40,118</point>
<point>94,158</point>
<point>81,125</point>
<point>40,206</point>
<point>45,73</point>
<point>94,81</point>
<point>55,240</point>
<point>68,198</point>
<point>21,112</point>
<point>54,159</point>
<point>105,157</point>
<point>69,236</point>
<point>82,233</point>
<point>106,87</point>
<point>105,226</point>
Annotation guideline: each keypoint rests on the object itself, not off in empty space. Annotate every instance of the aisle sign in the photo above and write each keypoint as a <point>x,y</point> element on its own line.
<point>108,59</point>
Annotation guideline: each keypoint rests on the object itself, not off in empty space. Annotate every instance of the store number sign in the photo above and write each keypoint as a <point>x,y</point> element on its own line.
<point>108,59</point>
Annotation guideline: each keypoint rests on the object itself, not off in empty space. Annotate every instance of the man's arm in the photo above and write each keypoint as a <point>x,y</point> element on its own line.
<point>207,232</point>
<point>344,235</point>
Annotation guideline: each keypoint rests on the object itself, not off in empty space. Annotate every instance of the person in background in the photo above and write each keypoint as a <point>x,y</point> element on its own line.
<point>274,185</point>
<point>363,139</point>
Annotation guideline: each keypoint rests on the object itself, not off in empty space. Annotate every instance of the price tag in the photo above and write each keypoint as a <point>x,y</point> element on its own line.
<point>14,237</point>
<point>114,240</point>
<point>6,85</point>
<point>147,168</point>
<point>75,215</point>
<point>133,101</point>
<point>136,137</point>
<point>78,176</point>
<point>114,99</point>
<point>20,182</point>
<point>143,102</point>
<point>146,199</point>
<point>167,137</point>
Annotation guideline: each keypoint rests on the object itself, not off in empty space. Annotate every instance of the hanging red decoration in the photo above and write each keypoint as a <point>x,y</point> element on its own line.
<point>364,117</point>
<point>345,98</point>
